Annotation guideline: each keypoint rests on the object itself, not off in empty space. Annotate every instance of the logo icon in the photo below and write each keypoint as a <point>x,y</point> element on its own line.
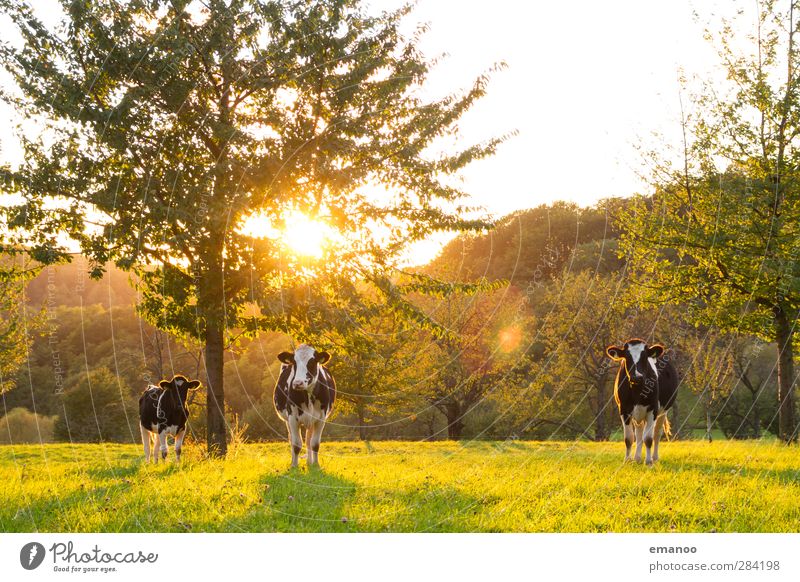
<point>31,555</point>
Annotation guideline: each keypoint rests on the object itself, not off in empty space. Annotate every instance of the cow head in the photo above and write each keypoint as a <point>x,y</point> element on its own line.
<point>637,358</point>
<point>304,363</point>
<point>180,385</point>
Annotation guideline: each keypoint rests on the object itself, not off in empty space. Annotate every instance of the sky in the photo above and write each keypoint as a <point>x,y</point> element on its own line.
<point>586,83</point>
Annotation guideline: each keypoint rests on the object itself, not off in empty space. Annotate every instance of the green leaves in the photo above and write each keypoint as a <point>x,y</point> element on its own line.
<point>169,126</point>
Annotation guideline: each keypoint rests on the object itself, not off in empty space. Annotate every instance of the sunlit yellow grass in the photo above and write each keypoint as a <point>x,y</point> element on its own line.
<point>513,487</point>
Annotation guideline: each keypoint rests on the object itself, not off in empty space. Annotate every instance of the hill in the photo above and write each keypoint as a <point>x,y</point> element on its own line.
<point>535,244</point>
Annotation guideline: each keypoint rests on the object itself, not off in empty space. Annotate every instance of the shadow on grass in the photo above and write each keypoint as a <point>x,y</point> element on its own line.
<point>126,471</point>
<point>728,469</point>
<point>434,509</point>
<point>101,502</point>
<point>66,513</point>
<point>296,500</point>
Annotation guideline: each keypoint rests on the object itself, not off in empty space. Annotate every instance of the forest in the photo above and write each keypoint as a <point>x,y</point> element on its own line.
<point>527,360</point>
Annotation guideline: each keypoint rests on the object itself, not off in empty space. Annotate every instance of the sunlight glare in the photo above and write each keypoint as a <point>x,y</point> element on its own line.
<point>304,236</point>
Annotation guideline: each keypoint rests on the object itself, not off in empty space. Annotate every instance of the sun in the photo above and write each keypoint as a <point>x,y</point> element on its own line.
<point>303,236</point>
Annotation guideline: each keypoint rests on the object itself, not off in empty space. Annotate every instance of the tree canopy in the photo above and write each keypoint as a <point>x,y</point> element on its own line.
<point>167,125</point>
<point>722,232</point>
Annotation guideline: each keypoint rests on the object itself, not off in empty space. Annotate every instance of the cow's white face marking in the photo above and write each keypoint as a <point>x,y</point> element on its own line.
<point>636,350</point>
<point>305,374</point>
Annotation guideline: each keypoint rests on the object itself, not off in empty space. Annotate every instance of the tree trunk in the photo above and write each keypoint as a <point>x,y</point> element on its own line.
<point>215,407</point>
<point>676,421</point>
<point>600,424</point>
<point>756,421</point>
<point>213,298</point>
<point>454,424</point>
<point>708,423</point>
<point>786,413</point>
<point>362,427</point>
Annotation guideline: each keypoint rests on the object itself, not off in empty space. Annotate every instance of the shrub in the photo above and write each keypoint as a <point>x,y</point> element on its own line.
<point>22,426</point>
<point>263,423</point>
<point>95,409</point>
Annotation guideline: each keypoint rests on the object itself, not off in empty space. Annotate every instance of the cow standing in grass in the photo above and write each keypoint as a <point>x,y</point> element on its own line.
<point>304,396</point>
<point>163,411</point>
<point>645,389</point>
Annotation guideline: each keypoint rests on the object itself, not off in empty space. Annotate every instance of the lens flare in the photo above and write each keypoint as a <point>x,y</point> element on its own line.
<point>509,338</point>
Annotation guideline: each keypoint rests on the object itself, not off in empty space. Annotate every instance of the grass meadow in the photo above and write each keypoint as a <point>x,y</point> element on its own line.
<point>404,487</point>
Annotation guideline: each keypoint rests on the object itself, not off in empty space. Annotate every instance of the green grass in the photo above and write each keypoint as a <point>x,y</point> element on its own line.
<point>392,486</point>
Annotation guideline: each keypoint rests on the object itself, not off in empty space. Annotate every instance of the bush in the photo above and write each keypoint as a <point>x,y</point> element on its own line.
<point>21,426</point>
<point>96,410</point>
<point>263,423</point>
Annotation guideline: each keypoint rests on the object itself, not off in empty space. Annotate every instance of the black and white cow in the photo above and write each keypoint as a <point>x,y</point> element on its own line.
<point>162,411</point>
<point>645,389</point>
<point>304,396</point>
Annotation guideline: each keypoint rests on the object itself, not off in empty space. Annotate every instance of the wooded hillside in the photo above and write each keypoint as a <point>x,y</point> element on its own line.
<point>526,360</point>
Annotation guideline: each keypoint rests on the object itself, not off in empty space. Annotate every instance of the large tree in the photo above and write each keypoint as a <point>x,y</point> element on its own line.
<point>16,321</point>
<point>170,123</point>
<point>721,234</point>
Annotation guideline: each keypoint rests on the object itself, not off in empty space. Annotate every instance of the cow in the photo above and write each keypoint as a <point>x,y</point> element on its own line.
<point>304,395</point>
<point>645,389</point>
<point>162,411</point>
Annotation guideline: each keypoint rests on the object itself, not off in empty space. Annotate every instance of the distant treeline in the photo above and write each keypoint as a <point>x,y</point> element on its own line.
<point>525,360</point>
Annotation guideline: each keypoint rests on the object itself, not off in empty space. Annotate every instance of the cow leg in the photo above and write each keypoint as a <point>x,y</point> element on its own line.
<point>295,440</point>
<point>627,430</point>
<point>648,436</point>
<point>145,442</point>
<point>639,429</point>
<point>316,438</point>
<point>162,441</point>
<point>309,439</point>
<point>179,444</point>
<point>657,434</point>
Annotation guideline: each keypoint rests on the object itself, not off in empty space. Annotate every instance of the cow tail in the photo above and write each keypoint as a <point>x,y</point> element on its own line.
<point>667,428</point>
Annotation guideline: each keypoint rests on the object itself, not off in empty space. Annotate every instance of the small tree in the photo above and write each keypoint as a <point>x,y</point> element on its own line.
<point>580,315</point>
<point>371,367</point>
<point>456,371</point>
<point>707,373</point>
<point>721,234</point>
<point>173,123</point>
<point>751,406</point>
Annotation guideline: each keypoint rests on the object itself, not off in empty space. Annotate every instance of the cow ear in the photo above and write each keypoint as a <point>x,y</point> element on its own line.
<point>286,357</point>
<point>322,357</point>
<point>615,353</point>
<point>655,351</point>
<point>193,385</point>
<point>165,384</point>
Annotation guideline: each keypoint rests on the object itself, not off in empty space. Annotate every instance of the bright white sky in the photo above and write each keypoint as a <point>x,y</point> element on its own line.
<point>586,82</point>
